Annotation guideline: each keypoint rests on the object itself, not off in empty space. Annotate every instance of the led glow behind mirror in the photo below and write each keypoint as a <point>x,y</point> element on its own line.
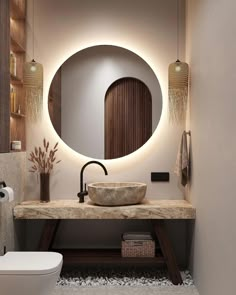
<point>81,89</point>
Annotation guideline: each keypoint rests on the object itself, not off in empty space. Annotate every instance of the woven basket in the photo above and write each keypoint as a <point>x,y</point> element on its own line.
<point>135,248</point>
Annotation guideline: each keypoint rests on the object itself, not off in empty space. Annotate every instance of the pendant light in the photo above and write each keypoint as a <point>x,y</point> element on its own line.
<point>33,82</point>
<point>33,74</point>
<point>178,85</point>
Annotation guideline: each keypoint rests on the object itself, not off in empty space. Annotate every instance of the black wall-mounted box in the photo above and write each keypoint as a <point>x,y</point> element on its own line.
<point>160,176</point>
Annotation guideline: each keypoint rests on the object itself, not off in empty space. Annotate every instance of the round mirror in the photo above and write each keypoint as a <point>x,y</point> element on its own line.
<point>105,102</point>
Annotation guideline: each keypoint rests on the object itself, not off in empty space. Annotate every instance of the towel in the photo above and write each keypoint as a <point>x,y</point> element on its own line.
<point>137,236</point>
<point>182,161</point>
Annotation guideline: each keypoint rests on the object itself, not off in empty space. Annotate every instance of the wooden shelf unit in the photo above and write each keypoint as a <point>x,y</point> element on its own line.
<point>164,257</point>
<point>16,80</point>
<point>107,256</point>
<point>17,10</point>
<point>4,76</point>
<point>12,39</point>
<point>17,47</point>
<point>13,114</point>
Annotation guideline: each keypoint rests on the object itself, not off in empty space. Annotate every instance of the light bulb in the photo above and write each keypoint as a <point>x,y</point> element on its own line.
<point>33,68</point>
<point>177,68</point>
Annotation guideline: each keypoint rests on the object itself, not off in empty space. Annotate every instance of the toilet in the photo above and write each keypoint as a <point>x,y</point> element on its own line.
<point>29,273</point>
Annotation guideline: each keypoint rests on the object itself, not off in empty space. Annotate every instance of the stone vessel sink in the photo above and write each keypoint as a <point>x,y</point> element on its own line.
<point>116,193</point>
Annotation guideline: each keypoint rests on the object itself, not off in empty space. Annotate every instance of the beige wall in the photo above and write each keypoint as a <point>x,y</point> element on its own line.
<point>148,28</point>
<point>211,48</point>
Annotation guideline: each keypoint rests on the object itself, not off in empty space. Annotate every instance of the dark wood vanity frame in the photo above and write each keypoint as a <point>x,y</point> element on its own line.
<point>156,211</point>
<point>165,257</point>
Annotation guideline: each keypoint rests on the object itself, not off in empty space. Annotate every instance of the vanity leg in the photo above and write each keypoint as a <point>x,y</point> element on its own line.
<point>48,234</point>
<point>167,252</point>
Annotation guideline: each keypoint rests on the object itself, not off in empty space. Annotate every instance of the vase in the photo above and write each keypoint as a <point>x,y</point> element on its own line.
<point>44,187</point>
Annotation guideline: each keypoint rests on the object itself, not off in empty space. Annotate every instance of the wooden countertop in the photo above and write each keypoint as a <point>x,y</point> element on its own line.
<point>72,209</point>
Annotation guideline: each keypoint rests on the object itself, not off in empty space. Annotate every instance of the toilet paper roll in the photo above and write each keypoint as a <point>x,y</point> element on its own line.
<point>3,198</point>
<point>6,193</point>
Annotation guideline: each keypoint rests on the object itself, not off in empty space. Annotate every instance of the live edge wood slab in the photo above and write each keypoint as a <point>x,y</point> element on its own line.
<point>72,209</point>
<point>156,210</point>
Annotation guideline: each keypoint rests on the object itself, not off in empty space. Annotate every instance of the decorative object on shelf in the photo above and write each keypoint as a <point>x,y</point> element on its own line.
<point>12,99</point>
<point>33,83</point>
<point>12,64</point>
<point>43,160</point>
<point>137,244</point>
<point>19,110</point>
<point>178,75</point>
<point>16,145</point>
<point>44,187</point>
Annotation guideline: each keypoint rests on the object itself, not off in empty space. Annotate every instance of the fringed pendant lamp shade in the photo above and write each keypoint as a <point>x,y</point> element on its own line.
<point>178,91</point>
<point>33,75</point>
<point>33,84</point>
<point>178,76</point>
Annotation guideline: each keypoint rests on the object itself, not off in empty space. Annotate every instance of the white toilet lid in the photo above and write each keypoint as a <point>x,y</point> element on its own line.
<point>29,263</point>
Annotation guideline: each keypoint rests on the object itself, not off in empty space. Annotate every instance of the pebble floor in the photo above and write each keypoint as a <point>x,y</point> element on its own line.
<point>119,277</point>
<point>122,282</point>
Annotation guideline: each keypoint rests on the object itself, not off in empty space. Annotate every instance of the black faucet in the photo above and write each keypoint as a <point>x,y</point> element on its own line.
<point>84,192</point>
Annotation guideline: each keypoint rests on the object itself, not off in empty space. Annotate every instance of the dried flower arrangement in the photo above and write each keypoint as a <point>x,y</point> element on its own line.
<point>43,159</point>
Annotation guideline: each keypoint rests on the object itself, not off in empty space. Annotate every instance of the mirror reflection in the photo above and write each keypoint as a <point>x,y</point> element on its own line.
<point>105,102</point>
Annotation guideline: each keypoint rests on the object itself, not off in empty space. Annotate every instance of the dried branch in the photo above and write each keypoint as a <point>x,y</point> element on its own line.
<point>43,159</point>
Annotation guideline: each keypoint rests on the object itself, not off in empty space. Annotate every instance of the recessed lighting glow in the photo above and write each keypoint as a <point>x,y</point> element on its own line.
<point>148,146</point>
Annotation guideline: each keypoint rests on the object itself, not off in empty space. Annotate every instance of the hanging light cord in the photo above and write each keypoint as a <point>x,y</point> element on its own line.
<point>177,33</point>
<point>33,29</point>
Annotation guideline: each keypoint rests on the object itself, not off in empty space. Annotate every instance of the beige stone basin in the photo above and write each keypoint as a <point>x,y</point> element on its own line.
<point>116,193</point>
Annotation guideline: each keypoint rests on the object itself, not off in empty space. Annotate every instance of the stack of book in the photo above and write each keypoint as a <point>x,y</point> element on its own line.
<point>137,244</point>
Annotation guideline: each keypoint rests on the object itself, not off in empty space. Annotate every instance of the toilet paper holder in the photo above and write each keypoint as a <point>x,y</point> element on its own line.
<point>2,184</point>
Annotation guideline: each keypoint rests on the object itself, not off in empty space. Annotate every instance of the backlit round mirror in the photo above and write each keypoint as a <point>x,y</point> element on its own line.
<point>105,102</point>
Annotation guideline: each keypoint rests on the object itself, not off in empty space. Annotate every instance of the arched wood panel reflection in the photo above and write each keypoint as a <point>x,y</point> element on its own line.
<point>128,117</point>
<point>54,102</point>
